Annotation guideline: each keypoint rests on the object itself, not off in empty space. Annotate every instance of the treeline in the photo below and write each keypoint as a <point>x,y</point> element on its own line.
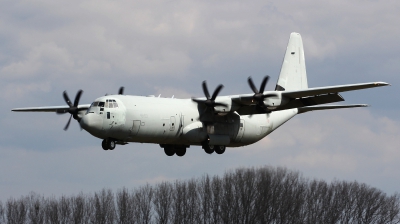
<point>256,195</point>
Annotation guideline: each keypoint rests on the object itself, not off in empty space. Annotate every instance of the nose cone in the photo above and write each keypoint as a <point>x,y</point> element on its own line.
<point>92,123</point>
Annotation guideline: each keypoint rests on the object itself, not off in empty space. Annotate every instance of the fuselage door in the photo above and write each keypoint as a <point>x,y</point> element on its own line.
<point>172,123</point>
<point>135,127</point>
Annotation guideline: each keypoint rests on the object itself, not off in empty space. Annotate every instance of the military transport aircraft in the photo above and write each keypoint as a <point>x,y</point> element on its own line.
<point>213,122</point>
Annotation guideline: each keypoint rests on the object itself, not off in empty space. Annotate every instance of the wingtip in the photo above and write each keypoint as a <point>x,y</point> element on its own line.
<point>382,84</point>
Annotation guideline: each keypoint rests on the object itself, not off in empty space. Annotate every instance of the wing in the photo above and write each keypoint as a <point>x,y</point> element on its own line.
<point>331,89</point>
<point>49,108</point>
<point>307,109</point>
<point>299,98</point>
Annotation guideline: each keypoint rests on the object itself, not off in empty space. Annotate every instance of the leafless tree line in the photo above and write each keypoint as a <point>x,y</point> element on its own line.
<point>255,195</point>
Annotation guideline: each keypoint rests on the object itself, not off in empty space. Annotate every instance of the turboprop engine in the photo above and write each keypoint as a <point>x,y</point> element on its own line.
<point>275,101</point>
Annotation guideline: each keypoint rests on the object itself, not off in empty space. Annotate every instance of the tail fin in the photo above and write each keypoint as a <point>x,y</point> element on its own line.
<point>293,74</point>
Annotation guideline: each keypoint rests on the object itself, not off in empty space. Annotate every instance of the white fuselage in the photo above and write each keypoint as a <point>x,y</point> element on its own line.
<point>175,122</point>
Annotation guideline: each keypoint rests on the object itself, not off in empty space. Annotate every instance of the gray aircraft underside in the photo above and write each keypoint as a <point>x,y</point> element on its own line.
<point>214,122</point>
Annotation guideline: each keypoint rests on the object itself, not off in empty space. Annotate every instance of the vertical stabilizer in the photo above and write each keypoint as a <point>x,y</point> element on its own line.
<point>293,74</point>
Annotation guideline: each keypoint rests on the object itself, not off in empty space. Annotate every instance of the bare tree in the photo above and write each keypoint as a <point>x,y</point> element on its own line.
<point>228,205</point>
<point>16,211</point>
<point>216,200</point>
<point>178,208</point>
<point>2,211</point>
<point>263,190</point>
<point>103,207</point>
<point>52,211</point>
<point>244,184</point>
<point>80,209</point>
<point>256,195</point>
<point>64,210</point>
<point>143,204</point>
<point>125,207</point>
<point>36,208</point>
<point>162,201</point>
<point>192,211</point>
<point>205,199</point>
<point>391,210</point>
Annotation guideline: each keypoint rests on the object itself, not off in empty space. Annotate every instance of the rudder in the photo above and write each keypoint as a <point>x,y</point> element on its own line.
<point>293,74</point>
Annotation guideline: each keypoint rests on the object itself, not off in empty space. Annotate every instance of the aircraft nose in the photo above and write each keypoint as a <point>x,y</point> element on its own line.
<point>91,122</point>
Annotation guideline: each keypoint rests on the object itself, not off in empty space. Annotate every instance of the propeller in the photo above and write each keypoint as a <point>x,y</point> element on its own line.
<point>73,108</point>
<point>210,101</point>
<point>259,96</point>
<point>121,90</point>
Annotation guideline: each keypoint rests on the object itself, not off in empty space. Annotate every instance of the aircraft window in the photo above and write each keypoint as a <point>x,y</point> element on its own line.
<point>106,106</point>
<point>95,104</point>
<point>115,105</point>
<point>110,105</point>
<point>101,104</point>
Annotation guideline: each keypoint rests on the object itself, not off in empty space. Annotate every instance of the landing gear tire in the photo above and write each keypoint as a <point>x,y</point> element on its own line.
<point>181,152</point>
<point>169,150</point>
<point>209,149</point>
<point>104,144</point>
<point>108,144</point>
<point>220,149</point>
<point>111,144</point>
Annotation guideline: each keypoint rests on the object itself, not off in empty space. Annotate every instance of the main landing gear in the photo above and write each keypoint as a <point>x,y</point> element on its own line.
<point>209,149</point>
<point>108,144</point>
<point>170,150</point>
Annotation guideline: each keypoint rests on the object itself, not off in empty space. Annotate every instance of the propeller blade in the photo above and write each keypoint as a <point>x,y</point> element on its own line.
<point>69,121</point>
<point>209,103</point>
<point>66,98</point>
<point>217,90</point>
<point>264,83</point>
<point>202,113</point>
<point>77,98</point>
<point>251,84</point>
<point>205,90</point>
<point>121,90</point>
<point>73,108</point>
<point>198,101</point>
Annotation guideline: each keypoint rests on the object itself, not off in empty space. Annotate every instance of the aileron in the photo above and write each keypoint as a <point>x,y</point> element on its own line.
<point>331,89</point>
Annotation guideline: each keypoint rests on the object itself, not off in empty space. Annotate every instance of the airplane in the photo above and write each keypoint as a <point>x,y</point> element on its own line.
<point>213,122</point>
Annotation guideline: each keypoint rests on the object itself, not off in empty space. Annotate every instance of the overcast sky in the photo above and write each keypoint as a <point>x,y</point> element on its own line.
<point>169,48</point>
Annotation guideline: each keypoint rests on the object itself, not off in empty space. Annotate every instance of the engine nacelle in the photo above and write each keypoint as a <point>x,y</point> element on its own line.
<point>275,101</point>
<point>221,110</point>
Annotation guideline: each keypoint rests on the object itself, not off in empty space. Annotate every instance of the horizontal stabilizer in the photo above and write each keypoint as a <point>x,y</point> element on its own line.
<point>329,107</point>
<point>48,109</point>
<point>331,89</point>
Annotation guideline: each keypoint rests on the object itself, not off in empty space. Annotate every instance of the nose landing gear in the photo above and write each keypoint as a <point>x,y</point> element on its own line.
<point>108,144</point>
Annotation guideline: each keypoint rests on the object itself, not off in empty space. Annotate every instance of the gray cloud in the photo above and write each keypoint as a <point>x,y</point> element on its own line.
<point>168,48</point>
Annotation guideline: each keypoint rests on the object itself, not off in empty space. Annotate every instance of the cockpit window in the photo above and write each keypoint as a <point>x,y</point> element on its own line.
<point>101,104</point>
<point>95,104</point>
<point>111,104</point>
